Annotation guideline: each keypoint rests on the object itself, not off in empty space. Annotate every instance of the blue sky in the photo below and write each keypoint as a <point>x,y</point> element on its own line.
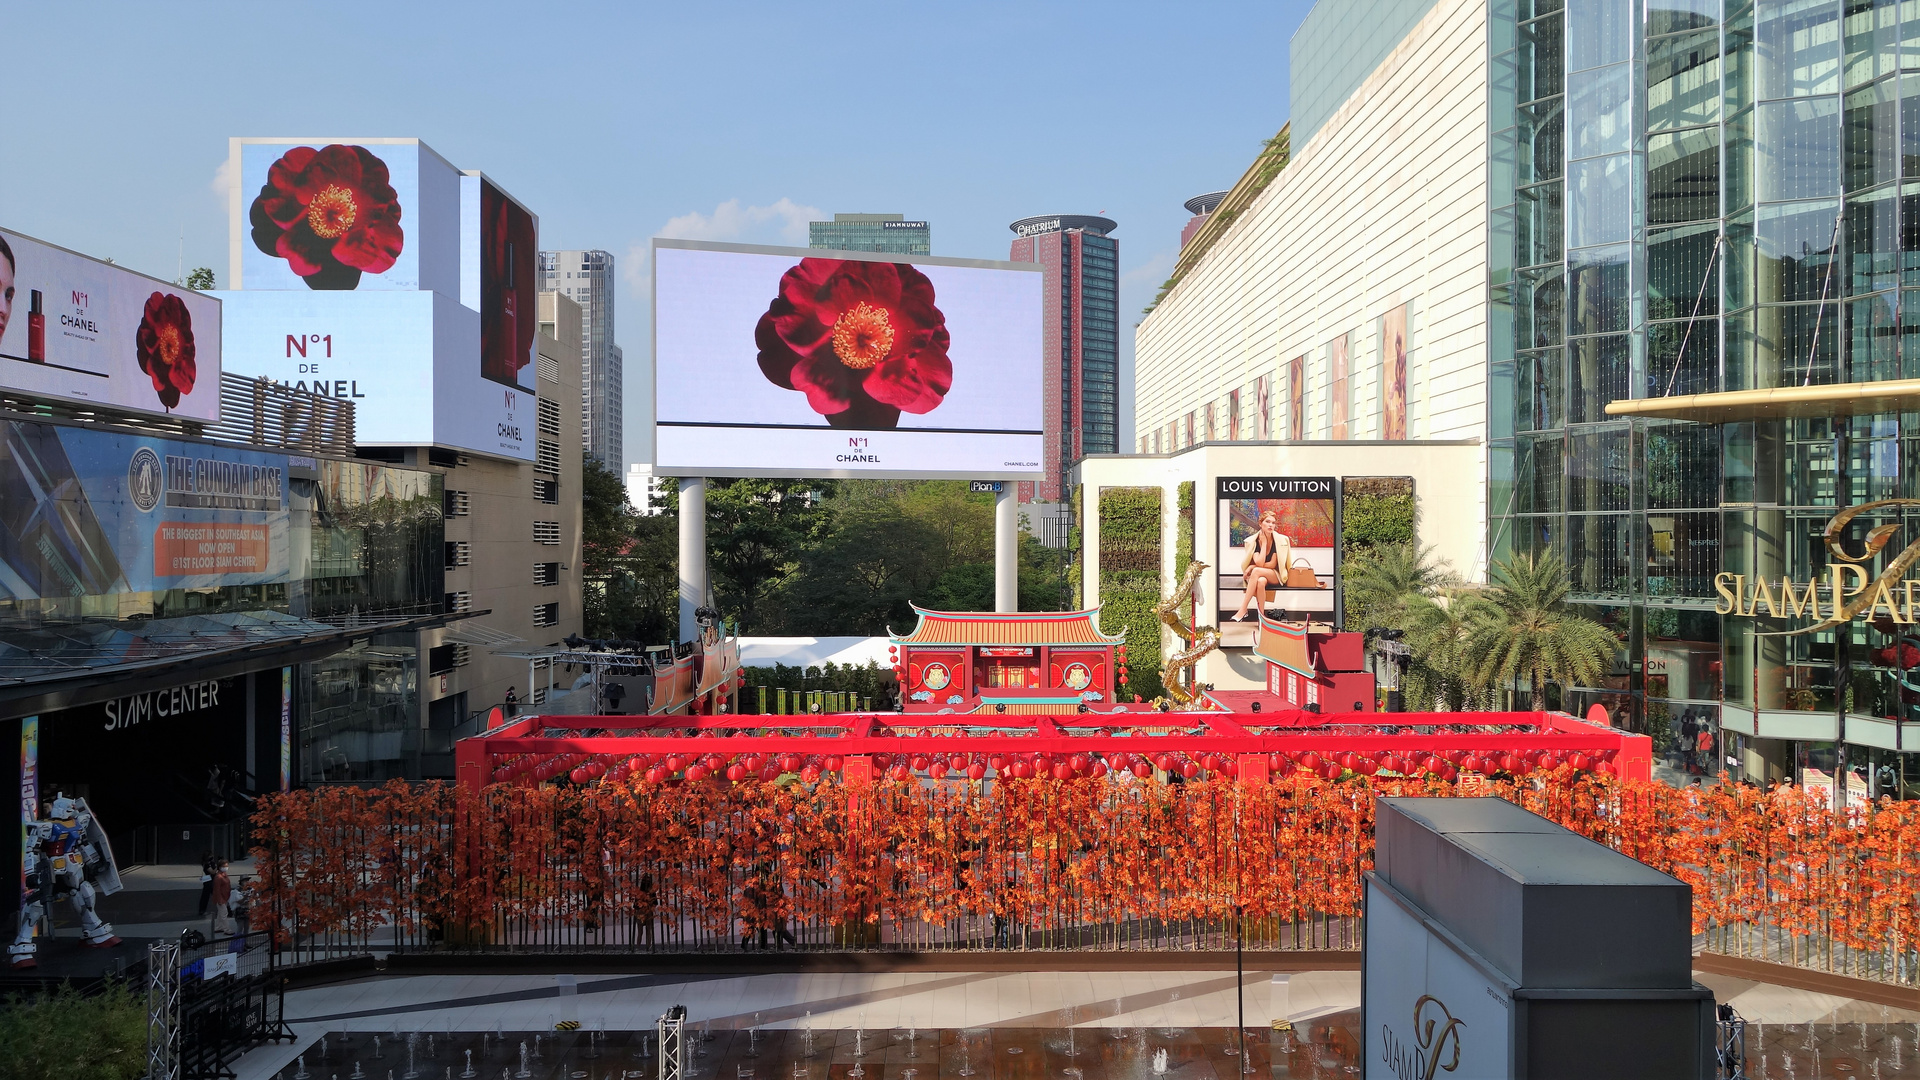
<point>619,122</point>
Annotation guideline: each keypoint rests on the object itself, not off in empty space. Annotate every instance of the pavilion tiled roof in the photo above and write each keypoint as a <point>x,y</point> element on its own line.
<point>1007,628</point>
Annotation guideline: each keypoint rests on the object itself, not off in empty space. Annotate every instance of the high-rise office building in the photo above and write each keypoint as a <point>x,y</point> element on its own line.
<point>871,232</point>
<point>586,278</point>
<point>1081,310</point>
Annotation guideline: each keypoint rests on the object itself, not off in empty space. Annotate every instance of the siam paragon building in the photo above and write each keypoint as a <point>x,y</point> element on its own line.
<point>1693,204</point>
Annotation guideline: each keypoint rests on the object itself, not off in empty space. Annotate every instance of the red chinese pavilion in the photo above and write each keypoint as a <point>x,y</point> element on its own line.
<point>1007,662</point>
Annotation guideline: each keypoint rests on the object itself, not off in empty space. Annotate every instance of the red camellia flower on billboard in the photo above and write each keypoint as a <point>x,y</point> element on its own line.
<point>164,347</point>
<point>862,340</point>
<point>331,213</point>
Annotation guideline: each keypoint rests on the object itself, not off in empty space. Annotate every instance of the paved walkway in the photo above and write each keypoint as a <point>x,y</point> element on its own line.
<point>936,1003</point>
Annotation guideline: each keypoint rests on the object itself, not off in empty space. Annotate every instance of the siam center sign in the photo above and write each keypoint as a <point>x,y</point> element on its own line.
<point>1850,591</point>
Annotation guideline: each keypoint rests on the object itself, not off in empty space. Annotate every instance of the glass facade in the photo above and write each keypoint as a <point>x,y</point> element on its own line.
<point>1099,343</point>
<point>871,232</point>
<point>1693,196</point>
<point>137,544</point>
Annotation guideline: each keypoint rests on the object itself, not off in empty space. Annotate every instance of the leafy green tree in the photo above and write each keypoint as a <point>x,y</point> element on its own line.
<point>200,278</point>
<point>630,580</point>
<point>758,532</point>
<point>1522,628</point>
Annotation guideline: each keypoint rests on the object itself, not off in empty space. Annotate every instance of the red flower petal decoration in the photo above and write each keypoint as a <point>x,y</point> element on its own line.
<point>331,213</point>
<point>862,340</point>
<point>164,347</point>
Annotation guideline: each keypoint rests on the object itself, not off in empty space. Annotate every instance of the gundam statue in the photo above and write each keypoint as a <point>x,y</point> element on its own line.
<point>66,855</point>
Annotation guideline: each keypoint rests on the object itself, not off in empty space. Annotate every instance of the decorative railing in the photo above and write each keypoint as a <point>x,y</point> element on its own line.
<point>630,865</point>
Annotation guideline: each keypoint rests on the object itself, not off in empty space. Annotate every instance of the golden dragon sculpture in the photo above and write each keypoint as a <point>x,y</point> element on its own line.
<point>1200,640</point>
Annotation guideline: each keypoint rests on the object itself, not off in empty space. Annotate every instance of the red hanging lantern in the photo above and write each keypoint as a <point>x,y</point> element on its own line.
<point>976,771</point>
<point>899,772</point>
<point>1142,770</point>
<point>1211,763</point>
<point>1080,762</point>
<point>736,772</point>
<point>997,762</point>
<point>810,773</point>
<point>696,773</point>
<point>1062,771</point>
<point>1189,770</point>
<point>834,762</point>
<point>1229,768</point>
<point>938,770</point>
<point>1099,769</point>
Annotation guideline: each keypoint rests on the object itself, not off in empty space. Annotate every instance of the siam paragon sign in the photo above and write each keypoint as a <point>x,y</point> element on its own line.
<point>1850,592</point>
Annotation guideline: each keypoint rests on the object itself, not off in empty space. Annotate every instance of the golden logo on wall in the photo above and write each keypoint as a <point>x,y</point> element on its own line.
<point>1436,1038</point>
<point>1850,591</point>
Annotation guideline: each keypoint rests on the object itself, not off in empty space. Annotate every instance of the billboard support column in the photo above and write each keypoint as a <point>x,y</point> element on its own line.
<point>1006,548</point>
<point>693,552</point>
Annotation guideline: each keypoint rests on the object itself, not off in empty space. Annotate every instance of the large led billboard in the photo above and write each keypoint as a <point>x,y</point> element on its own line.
<point>1279,552</point>
<point>89,513</point>
<point>343,215</point>
<point>509,265</point>
<point>83,330</point>
<point>794,362</point>
<point>409,361</point>
<point>372,269</point>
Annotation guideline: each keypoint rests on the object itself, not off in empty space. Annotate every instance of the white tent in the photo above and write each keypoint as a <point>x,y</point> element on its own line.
<point>812,651</point>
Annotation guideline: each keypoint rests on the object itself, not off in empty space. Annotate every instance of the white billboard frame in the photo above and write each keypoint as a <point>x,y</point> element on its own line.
<point>124,383</point>
<point>1036,471</point>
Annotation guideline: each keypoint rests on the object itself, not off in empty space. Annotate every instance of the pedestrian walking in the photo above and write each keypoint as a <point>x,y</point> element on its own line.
<point>206,881</point>
<point>222,898</point>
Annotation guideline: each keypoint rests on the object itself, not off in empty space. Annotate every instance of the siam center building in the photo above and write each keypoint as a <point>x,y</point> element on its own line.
<point>1660,261</point>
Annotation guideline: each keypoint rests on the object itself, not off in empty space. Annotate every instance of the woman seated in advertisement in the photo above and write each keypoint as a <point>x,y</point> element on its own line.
<point>1264,567</point>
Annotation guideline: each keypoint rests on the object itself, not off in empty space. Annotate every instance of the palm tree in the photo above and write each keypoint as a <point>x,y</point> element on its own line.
<point>1383,585</point>
<point>1522,628</point>
<point>1439,629</point>
<point>1401,587</point>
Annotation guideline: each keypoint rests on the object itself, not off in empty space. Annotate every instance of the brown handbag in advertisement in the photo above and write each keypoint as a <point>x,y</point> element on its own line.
<point>1301,576</point>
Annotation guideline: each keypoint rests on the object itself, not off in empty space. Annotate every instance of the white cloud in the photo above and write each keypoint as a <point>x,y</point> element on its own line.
<point>636,268</point>
<point>224,178</point>
<point>1152,272</point>
<point>784,222</point>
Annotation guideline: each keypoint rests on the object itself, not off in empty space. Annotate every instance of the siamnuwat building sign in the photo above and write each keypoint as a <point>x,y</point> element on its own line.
<point>1850,592</point>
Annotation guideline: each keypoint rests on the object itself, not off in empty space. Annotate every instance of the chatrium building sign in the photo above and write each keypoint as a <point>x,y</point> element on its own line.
<point>1850,591</point>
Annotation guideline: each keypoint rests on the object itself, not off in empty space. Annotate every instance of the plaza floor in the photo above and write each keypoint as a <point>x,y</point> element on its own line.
<point>936,1025</point>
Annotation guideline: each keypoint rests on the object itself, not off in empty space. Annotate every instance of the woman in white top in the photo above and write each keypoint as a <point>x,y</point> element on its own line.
<point>1269,552</point>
